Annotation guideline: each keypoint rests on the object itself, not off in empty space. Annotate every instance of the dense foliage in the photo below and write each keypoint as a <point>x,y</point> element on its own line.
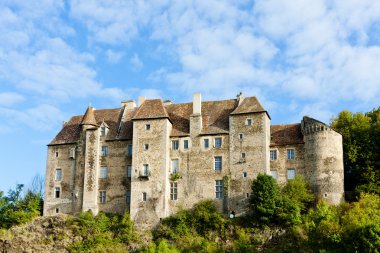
<point>18,208</point>
<point>361,149</point>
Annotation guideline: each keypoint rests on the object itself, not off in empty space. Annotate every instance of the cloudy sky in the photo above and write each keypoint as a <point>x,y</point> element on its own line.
<point>299,57</point>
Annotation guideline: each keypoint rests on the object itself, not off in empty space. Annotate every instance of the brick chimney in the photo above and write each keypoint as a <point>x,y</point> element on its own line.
<point>196,117</point>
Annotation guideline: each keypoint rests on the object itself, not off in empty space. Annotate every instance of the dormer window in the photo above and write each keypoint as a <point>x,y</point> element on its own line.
<point>103,131</point>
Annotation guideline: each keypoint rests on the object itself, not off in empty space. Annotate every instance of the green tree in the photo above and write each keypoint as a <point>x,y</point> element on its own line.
<point>361,149</point>
<point>264,199</point>
<point>298,191</point>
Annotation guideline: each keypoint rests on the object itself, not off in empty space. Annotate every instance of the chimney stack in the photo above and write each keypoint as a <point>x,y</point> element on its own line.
<point>197,104</point>
<point>240,98</point>
<point>168,102</point>
<point>128,104</point>
<point>141,100</point>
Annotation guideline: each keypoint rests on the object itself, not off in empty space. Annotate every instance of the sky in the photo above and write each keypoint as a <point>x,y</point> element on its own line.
<point>299,57</point>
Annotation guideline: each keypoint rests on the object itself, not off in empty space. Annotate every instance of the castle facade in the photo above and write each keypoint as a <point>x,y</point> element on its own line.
<point>157,157</point>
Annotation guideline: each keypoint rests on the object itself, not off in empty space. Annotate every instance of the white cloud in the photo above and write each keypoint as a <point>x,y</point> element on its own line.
<point>113,56</point>
<point>10,98</point>
<point>136,62</point>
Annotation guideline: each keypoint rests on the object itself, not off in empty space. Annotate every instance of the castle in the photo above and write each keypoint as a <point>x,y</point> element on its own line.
<point>157,157</point>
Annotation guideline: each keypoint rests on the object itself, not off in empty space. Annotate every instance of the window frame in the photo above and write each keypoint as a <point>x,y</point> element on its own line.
<point>218,163</point>
<point>101,174</point>
<point>274,172</point>
<point>175,144</point>
<point>128,198</point>
<point>102,197</point>
<point>60,174</point>
<point>103,131</point>
<point>145,170</point>
<point>174,170</point>
<point>57,192</point>
<point>129,149</point>
<point>248,120</point>
<point>129,170</point>
<point>215,142</point>
<point>104,150</point>
<point>290,154</point>
<point>186,147</point>
<point>241,136</point>
<point>147,127</point>
<point>206,143</point>
<point>288,174</point>
<point>173,190</point>
<point>219,191</point>
<point>273,157</point>
<point>144,196</point>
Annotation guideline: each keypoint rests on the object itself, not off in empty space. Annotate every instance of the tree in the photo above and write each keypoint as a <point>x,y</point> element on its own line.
<point>264,199</point>
<point>361,149</point>
<point>298,190</point>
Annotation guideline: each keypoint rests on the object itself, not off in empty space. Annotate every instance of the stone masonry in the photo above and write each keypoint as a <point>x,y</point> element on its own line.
<point>158,157</point>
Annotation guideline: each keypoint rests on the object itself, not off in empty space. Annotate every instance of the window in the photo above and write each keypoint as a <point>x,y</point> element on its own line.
<point>146,146</point>
<point>129,150</point>
<point>103,131</point>
<point>58,174</point>
<point>57,210</point>
<point>185,144</point>
<point>273,173</point>
<point>173,191</point>
<point>247,195</point>
<point>273,155</point>
<point>144,196</point>
<point>206,143</point>
<point>175,166</point>
<point>104,150</point>
<point>128,198</point>
<point>129,170</point>
<point>103,172</point>
<point>248,122</point>
<point>245,174</point>
<point>145,171</point>
<point>147,127</point>
<point>242,155</point>
<point>291,173</point>
<point>241,136</point>
<point>56,153</point>
<point>218,142</point>
<point>57,192</point>
<point>175,145</point>
<point>290,153</point>
<point>219,189</point>
<point>218,163</point>
<point>102,197</point>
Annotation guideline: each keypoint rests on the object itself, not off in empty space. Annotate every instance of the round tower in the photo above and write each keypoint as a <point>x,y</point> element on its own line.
<point>324,159</point>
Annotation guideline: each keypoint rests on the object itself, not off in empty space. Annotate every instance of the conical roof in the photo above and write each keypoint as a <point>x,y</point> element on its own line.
<point>89,117</point>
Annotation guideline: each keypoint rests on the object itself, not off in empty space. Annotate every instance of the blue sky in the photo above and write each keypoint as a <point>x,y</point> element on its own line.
<point>299,57</point>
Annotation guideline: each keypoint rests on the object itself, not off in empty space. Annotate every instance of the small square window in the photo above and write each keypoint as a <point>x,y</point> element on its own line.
<point>175,145</point>
<point>273,155</point>
<point>206,143</point>
<point>104,150</point>
<point>102,197</point>
<point>144,196</point>
<point>248,122</point>
<point>218,142</point>
<point>218,163</point>
<point>57,192</point>
<point>147,127</point>
<point>290,153</point>
<point>129,150</point>
<point>291,173</point>
<point>185,144</point>
<point>245,174</point>
<point>241,136</point>
<point>58,174</point>
<point>146,146</point>
<point>129,170</point>
<point>242,155</point>
<point>103,172</point>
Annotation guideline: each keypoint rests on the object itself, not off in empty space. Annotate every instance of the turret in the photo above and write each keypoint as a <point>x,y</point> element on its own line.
<point>324,156</point>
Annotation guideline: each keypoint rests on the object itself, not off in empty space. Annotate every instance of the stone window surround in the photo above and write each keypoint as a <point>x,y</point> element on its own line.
<point>270,154</point>
<point>147,127</point>
<point>216,167</point>
<point>58,176</point>
<point>171,165</point>
<point>103,172</point>
<point>184,146</point>
<point>173,190</point>
<point>57,192</point>
<point>218,189</point>
<point>104,151</point>
<point>241,136</point>
<point>290,173</point>
<point>145,169</point>
<point>289,154</point>
<point>146,146</point>
<point>205,143</point>
<point>144,196</point>
<point>102,197</point>
<point>248,122</point>
<point>215,142</point>
<point>175,144</point>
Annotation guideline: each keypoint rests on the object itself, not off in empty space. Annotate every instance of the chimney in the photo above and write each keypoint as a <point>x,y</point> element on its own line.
<point>196,117</point>
<point>168,102</point>
<point>197,104</point>
<point>141,100</point>
<point>240,98</point>
<point>128,104</point>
